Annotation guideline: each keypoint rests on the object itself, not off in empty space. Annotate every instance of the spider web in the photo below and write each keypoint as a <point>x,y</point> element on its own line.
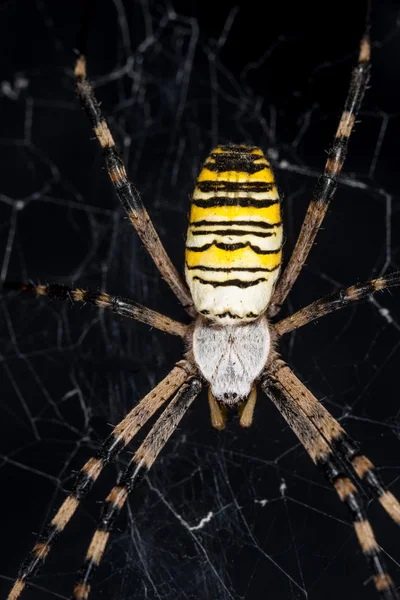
<point>232,515</point>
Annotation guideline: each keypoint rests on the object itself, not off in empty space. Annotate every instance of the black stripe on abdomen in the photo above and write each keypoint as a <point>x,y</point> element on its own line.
<point>210,223</point>
<point>207,186</point>
<point>232,232</point>
<point>229,269</point>
<point>233,247</point>
<point>232,161</point>
<point>231,282</point>
<point>232,201</point>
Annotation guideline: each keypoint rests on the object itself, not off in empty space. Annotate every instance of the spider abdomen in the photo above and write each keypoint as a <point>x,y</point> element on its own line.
<point>234,241</point>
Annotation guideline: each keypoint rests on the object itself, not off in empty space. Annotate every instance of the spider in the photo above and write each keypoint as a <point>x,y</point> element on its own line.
<point>228,312</point>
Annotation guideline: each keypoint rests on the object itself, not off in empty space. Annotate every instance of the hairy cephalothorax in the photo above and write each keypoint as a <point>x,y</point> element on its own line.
<point>233,263</point>
<point>231,357</point>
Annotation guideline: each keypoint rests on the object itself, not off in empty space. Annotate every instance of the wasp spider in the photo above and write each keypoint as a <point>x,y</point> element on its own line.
<point>234,287</point>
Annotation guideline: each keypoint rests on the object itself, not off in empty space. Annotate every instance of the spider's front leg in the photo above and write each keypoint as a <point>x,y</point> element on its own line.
<point>141,463</point>
<point>123,433</point>
<point>334,453</point>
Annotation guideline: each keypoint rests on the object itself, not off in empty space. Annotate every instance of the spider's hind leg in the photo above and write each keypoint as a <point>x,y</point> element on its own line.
<point>327,183</point>
<point>125,190</point>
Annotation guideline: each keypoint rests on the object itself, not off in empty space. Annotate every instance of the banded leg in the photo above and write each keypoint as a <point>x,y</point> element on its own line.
<point>327,183</point>
<point>339,441</point>
<point>334,301</point>
<point>114,444</point>
<point>286,400</point>
<point>121,306</point>
<point>125,190</point>
<point>130,479</point>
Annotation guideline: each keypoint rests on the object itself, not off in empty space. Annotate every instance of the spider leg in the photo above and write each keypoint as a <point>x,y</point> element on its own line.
<point>327,183</point>
<point>340,442</point>
<point>334,301</point>
<point>125,190</point>
<point>130,479</point>
<point>121,306</point>
<point>318,434</point>
<point>111,448</point>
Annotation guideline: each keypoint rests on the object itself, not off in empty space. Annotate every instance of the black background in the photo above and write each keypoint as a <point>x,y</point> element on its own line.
<point>279,80</point>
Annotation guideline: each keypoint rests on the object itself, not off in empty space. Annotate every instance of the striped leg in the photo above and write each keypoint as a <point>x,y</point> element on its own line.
<point>286,399</point>
<point>334,301</point>
<point>114,444</point>
<point>121,306</point>
<point>339,441</point>
<point>327,183</point>
<point>125,190</point>
<point>130,479</point>
<point>319,435</point>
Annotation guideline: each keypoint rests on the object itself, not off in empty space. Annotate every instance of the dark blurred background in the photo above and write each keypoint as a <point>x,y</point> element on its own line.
<point>231,515</point>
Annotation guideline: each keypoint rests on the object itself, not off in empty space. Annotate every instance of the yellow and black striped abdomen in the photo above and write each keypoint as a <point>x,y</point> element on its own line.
<point>234,241</point>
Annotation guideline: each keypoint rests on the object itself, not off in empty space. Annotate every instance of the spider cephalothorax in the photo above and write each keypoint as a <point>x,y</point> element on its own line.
<point>231,358</point>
